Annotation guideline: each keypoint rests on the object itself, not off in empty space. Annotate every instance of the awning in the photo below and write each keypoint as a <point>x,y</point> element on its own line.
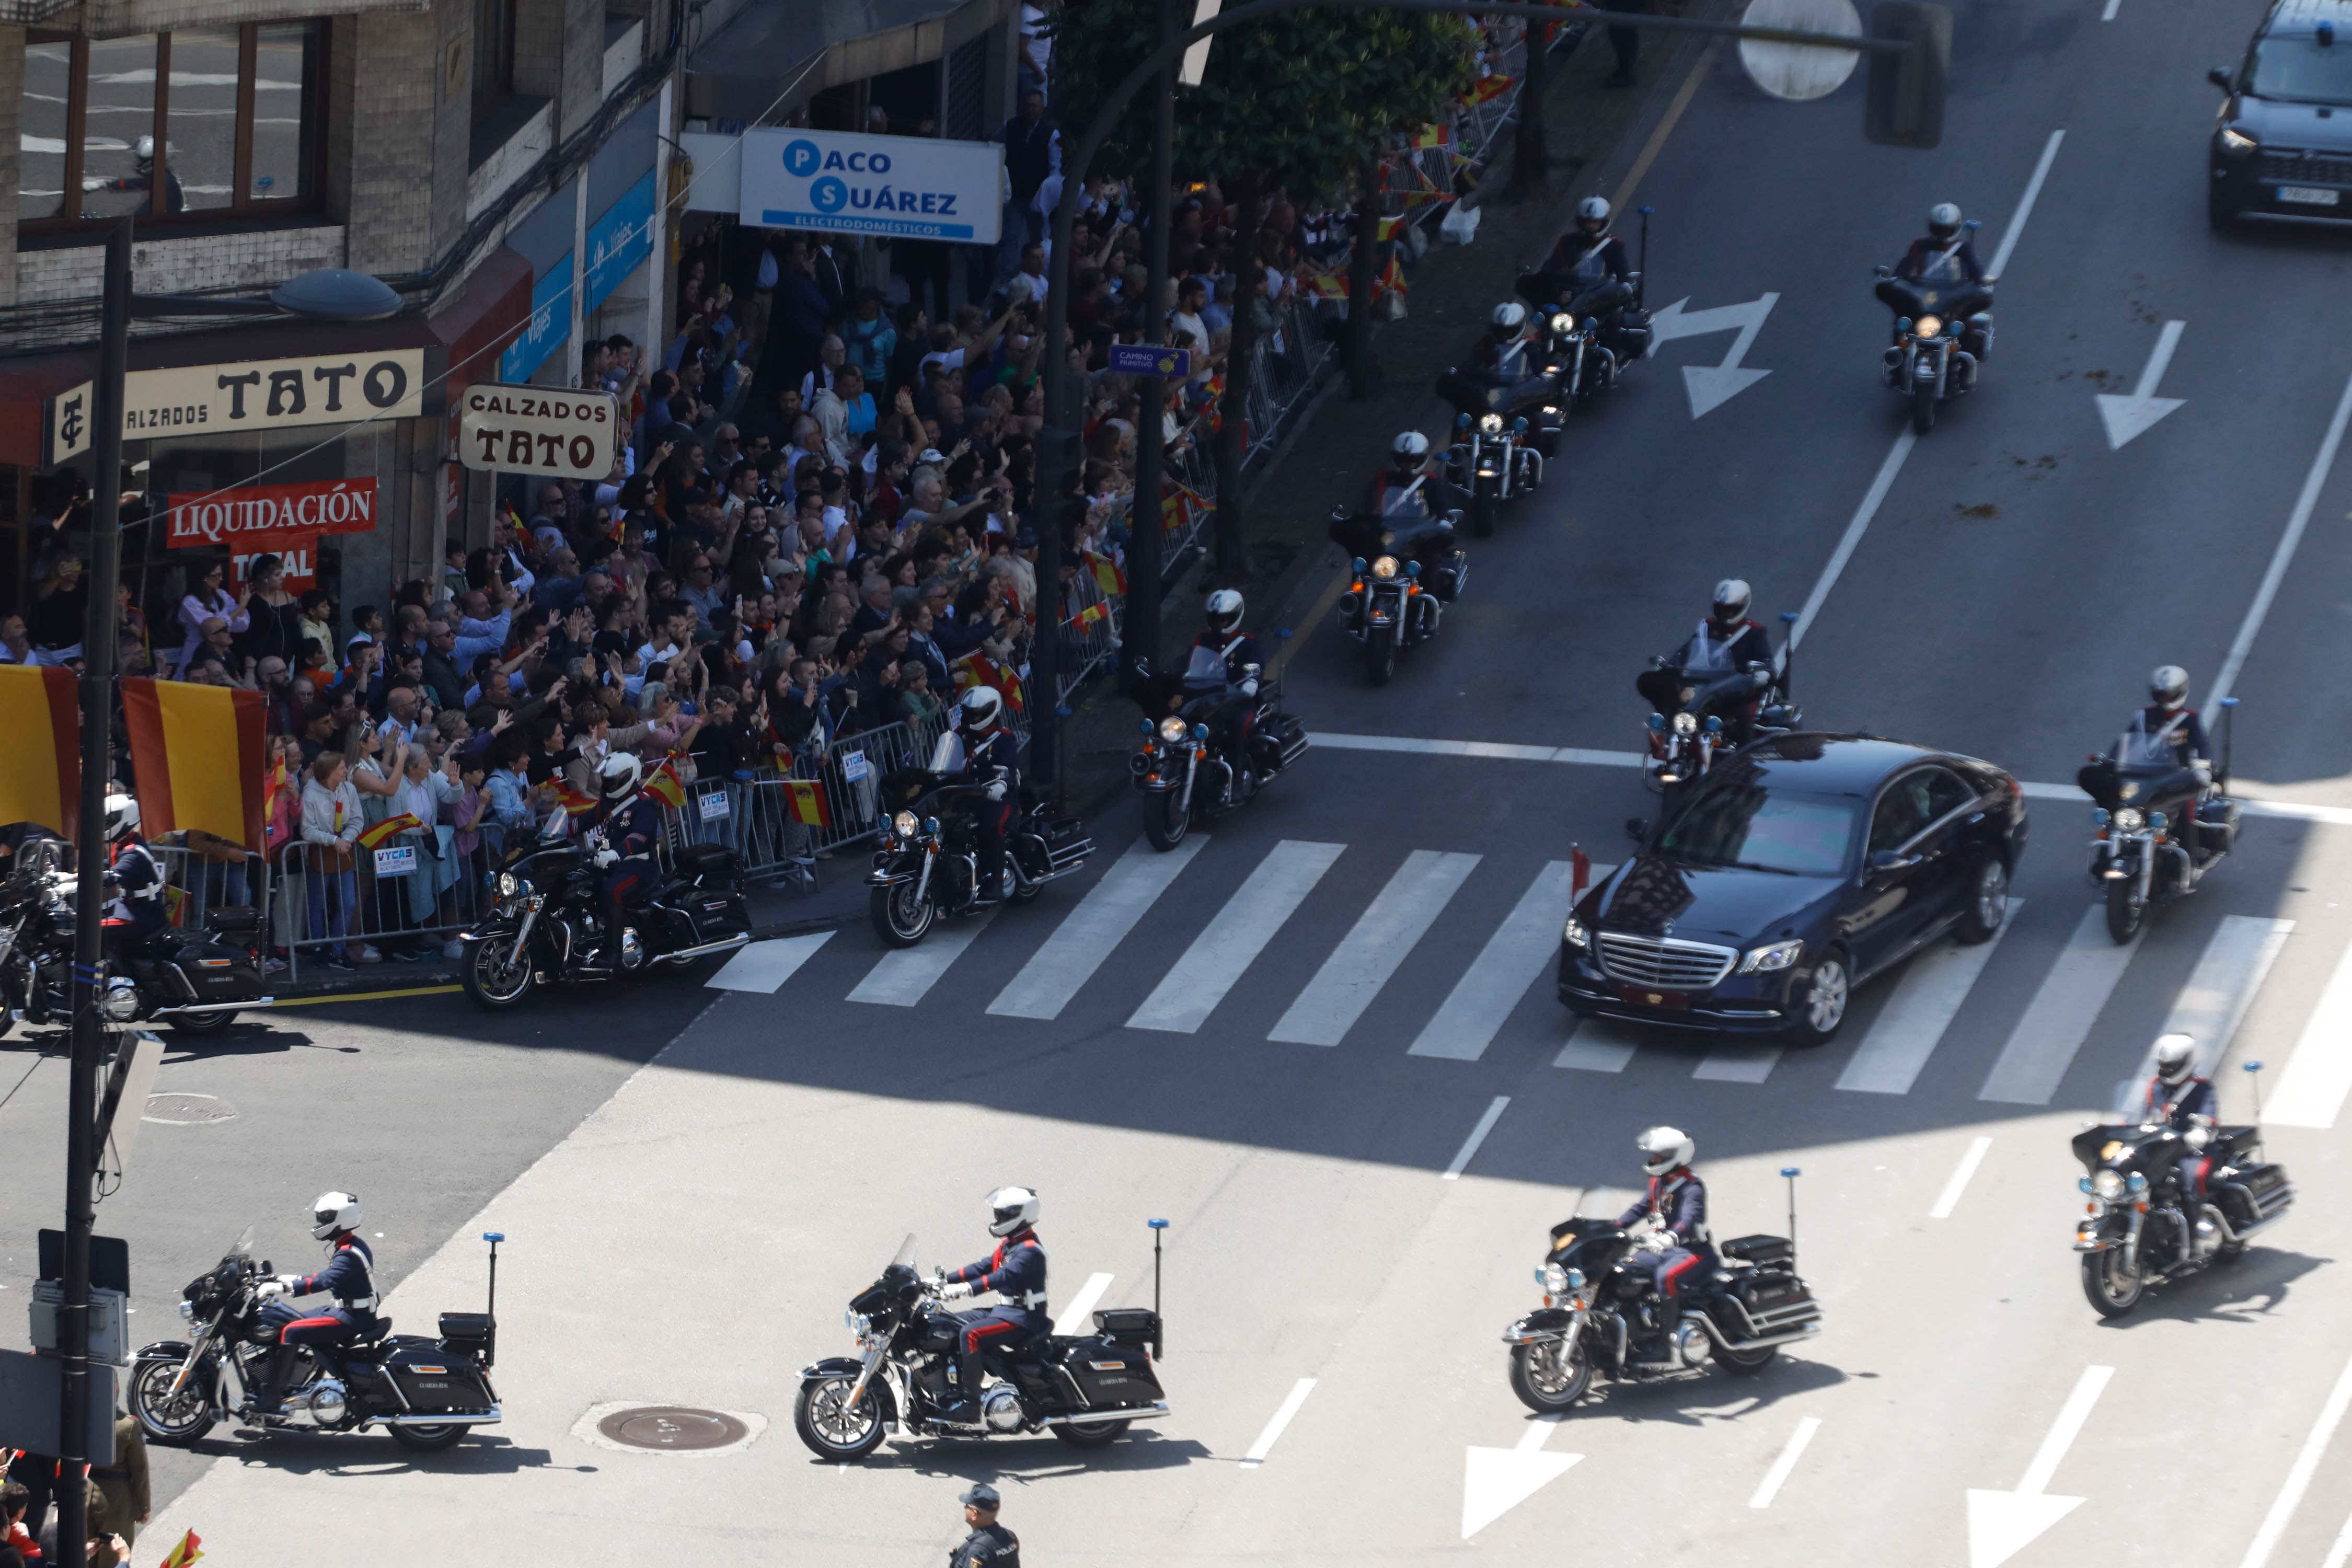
<point>746,71</point>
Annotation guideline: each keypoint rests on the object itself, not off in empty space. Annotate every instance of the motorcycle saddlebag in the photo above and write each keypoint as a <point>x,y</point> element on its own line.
<point>1136,1328</point>
<point>1109,1374</point>
<point>1776,1303</point>
<point>2256,1193</point>
<point>1289,734</point>
<point>1444,574</point>
<point>470,1333</point>
<point>716,915</point>
<point>1759,1248</point>
<point>218,973</point>
<point>434,1381</point>
<point>2217,825</point>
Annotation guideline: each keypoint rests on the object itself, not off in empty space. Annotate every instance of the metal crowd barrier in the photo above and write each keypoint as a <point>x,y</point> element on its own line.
<point>414,903</point>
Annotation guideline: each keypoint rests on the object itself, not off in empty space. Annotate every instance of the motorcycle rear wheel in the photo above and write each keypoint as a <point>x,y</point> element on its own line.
<point>901,916</point>
<point>819,1409</point>
<point>200,1022</point>
<point>1923,410</point>
<point>2124,911</point>
<point>428,1439</point>
<point>496,976</point>
<point>1379,654</point>
<point>2111,1292</point>
<point>1165,822</point>
<point>174,1422</point>
<point>1091,1434</point>
<point>1550,1376</point>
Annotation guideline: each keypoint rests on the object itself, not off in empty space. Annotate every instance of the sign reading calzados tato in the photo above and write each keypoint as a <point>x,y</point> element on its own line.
<point>539,430</point>
<point>254,394</point>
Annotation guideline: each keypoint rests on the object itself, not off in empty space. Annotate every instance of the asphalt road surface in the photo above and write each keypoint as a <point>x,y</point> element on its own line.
<point>1360,1122</point>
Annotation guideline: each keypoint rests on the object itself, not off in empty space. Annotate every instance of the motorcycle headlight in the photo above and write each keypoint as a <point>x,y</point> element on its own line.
<point>1685,723</point>
<point>1171,728</point>
<point>1778,955</point>
<point>906,825</point>
<point>1928,326</point>
<point>1563,323</point>
<point>119,1001</point>
<point>2130,818</point>
<point>1386,566</point>
<point>1554,1280</point>
<point>2107,1186</point>
<point>857,1322</point>
<point>1574,934</point>
<point>511,886</point>
<point>188,1312</point>
<point>1492,424</point>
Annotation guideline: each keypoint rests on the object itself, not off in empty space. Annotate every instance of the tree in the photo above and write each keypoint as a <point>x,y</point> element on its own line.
<point>1298,102</point>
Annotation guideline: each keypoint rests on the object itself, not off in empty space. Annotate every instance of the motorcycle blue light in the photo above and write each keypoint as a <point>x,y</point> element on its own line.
<point>1520,424</point>
<point>1461,422</point>
<point>1147,726</point>
<point>1357,566</point>
<point>1200,732</point>
<point>1413,569</point>
<point>931,824</point>
<point>1903,324</point>
<point>2099,818</point>
<point>1657,720</point>
<point>1714,723</point>
<point>2156,820</point>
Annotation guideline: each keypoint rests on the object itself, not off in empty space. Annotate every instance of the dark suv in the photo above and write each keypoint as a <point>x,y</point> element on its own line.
<point>2283,147</point>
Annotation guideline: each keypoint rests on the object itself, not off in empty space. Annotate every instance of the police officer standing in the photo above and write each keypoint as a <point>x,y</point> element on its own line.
<point>990,1544</point>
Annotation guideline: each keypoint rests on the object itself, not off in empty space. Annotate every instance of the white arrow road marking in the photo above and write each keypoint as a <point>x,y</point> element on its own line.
<point>1713,386</point>
<point>2298,1478</point>
<point>1264,1444</point>
<point>1073,1320</point>
<point>1949,1198</point>
<point>1496,1480</point>
<point>2128,416</point>
<point>1770,1487</point>
<point>2003,1524</point>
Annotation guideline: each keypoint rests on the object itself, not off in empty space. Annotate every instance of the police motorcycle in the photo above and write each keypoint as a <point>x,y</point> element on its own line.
<point>1717,707</point>
<point>427,1393</point>
<point>927,864</point>
<point>1506,419</point>
<point>1085,1389</point>
<point>2140,1228</point>
<point>196,981</point>
<point>1934,358</point>
<point>1179,771</point>
<point>1594,323</point>
<point>1406,569</point>
<point>1600,1305</point>
<point>545,923</point>
<point>2141,858</point>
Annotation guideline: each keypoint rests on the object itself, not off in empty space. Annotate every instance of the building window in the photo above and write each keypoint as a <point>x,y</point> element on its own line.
<point>202,123</point>
<point>494,31</point>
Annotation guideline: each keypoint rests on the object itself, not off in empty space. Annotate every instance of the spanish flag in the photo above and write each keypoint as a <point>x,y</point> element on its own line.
<point>1428,137</point>
<point>1098,610</point>
<point>376,837</point>
<point>41,719</point>
<point>1171,508</point>
<point>1107,576</point>
<point>185,1553</point>
<point>664,785</point>
<point>806,799</point>
<point>196,754</point>
<point>573,803</point>
<point>1489,88</point>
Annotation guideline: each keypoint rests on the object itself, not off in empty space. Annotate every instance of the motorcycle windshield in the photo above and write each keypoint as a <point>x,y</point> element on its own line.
<point>241,1248</point>
<point>906,1253</point>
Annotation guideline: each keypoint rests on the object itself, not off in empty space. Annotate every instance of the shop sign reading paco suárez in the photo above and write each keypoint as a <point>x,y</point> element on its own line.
<point>836,182</point>
<point>256,395</point>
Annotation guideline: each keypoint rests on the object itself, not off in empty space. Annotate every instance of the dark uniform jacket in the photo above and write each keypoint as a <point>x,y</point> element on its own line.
<point>990,1546</point>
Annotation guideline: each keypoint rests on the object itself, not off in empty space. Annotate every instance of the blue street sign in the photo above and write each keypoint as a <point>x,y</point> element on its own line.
<point>1144,359</point>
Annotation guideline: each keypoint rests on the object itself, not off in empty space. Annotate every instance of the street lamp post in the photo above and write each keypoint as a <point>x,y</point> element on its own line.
<point>331,294</point>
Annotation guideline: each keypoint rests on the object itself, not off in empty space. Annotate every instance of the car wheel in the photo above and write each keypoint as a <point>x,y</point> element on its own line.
<point>1988,903</point>
<point>1820,1005</point>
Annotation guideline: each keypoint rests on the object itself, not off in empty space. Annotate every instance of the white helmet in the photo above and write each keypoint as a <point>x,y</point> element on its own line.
<point>1011,1210</point>
<point>1732,598</point>
<point>333,1213</point>
<point>620,776</point>
<point>1410,447</point>
<point>1944,219</point>
<point>2175,1058</point>
<point>1224,610</point>
<point>2169,686</point>
<point>981,706</point>
<point>1593,210</point>
<point>1510,318</point>
<point>122,814</point>
<point>1664,1148</point>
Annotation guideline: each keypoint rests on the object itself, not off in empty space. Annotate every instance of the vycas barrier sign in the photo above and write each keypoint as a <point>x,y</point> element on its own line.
<point>839,183</point>
<point>539,430</point>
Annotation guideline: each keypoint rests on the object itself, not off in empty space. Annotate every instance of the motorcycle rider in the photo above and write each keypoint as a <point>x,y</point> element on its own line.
<point>348,1276</point>
<point>990,1544</point>
<point>1404,489</point>
<point>620,844</point>
<point>991,762</point>
<point>1675,1205</point>
<point>1586,255</point>
<point>1225,652</point>
<point>134,882</point>
<point>2176,1097</point>
<point>2166,733</point>
<point>1723,641</point>
<point>1503,351</point>
<point>1945,261</point>
<point>1015,1272</point>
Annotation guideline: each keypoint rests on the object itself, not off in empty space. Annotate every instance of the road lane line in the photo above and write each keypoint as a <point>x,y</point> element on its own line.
<point>1924,1002</point>
<point>1949,1198</point>
<point>1738,1064</point>
<point>2298,1477</point>
<point>904,976</point>
<point>2319,1074</point>
<point>1588,1051</point>
<point>762,967</point>
<point>1265,1439</point>
<point>2072,995</point>
<point>2342,1550</point>
<point>1386,931</point>
<point>1512,960</point>
<point>1852,539</point>
<point>1073,1320</point>
<point>1227,945</point>
<point>2016,230</point>
<point>1650,149</point>
<point>2229,971</point>
<point>1770,1486</point>
<point>2300,520</point>
<point>1087,935</point>
<point>1478,1136</point>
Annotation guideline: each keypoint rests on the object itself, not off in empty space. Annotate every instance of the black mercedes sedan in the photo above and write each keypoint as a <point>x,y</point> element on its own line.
<point>1799,868</point>
<point>2283,148</point>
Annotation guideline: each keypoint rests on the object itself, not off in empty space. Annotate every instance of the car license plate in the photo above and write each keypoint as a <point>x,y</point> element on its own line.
<point>1640,996</point>
<point>2309,195</point>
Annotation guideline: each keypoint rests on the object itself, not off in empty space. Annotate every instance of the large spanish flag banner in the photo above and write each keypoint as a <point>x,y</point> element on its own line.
<point>196,753</point>
<point>41,719</point>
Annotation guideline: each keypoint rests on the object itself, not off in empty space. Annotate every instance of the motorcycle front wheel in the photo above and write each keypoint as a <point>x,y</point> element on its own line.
<point>1166,821</point>
<point>831,1427</point>
<point>1482,513</point>
<point>2124,911</point>
<point>902,915</point>
<point>2111,1289</point>
<point>1550,1377</point>
<point>1091,1434</point>
<point>174,1420</point>
<point>1379,654</point>
<point>1923,410</point>
<point>428,1439</point>
<point>495,975</point>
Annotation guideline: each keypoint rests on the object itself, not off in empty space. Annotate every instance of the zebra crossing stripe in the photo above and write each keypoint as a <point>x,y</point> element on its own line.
<point>2318,1076</point>
<point>1386,931</point>
<point>762,967</point>
<point>2236,960</point>
<point>2071,996</point>
<point>1595,1047</point>
<point>904,976</point>
<point>1523,946</point>
<point>1069,957</point>
<point>1912,1024</point>
<point>1191,991</point>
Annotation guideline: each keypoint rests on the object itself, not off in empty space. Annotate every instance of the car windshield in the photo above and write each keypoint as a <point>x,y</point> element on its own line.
<point>2301,71</point>
<point>1744,827</point>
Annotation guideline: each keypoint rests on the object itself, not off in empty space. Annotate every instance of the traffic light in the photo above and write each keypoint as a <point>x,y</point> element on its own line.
<point>1904,107</point>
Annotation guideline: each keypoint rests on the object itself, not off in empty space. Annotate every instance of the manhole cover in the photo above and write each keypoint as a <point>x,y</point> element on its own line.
<point>187,1110</point>
<point>672,1426</point>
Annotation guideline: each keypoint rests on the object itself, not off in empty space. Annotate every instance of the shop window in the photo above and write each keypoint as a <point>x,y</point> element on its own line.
<point>202,123</point>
